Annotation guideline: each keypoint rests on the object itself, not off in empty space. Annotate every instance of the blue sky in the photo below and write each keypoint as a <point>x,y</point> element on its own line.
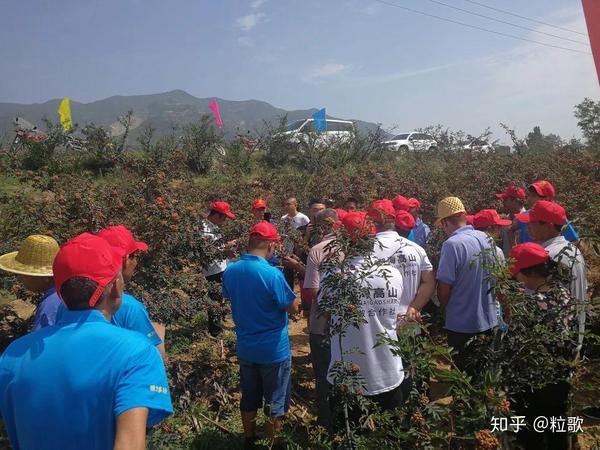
<point>359,58</point>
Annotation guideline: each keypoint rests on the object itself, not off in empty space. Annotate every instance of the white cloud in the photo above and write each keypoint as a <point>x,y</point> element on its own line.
<point>248,22</point>
<point>327,70</point>
<point>324,71</point>
<point>257,3</point>
<point>365,81</point>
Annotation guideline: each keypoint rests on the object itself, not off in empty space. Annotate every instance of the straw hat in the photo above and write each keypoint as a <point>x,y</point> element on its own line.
<point>449,207</point>
<point>34,258</point>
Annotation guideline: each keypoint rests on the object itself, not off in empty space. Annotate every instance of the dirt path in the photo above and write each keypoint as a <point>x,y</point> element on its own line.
<point>302,378</point>
<point>299,338</point>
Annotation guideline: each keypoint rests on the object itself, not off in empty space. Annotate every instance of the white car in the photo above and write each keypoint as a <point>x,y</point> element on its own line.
<point>479,145</point>
<point>412,141</point>
<point>336,131</point>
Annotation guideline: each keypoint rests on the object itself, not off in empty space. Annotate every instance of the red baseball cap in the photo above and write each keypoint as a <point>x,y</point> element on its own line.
<point>487,218</point>
<point>470,219</point>
<point>512,191</point>
<point>404,220</point>
<point>259,203</point>
<point>382,211</point>
<point>414,203</point>
<point>120,236</point>
<point>544,211</point>
<point>264,231</point>
<point>527,255</point>
<point>223,208</point>
<point>543,188</point>
<point>90,257</point>
<point>357,225</point>
<point>401,203</point>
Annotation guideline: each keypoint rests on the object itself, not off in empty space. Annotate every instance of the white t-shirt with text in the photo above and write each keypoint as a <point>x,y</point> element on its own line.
<point>381,370</point>
<point>406,256</point>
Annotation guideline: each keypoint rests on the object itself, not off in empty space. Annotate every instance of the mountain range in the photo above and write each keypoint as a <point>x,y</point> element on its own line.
<point>164,112</point>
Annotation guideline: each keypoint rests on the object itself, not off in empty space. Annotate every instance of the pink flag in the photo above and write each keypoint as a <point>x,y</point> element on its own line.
<point>215,109</point>
<point>591,8</point>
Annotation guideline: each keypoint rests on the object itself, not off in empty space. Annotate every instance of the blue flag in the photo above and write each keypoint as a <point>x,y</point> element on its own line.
<point>320,121</point>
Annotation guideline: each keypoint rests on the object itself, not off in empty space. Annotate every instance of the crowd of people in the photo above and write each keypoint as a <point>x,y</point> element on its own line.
<point>93,365</point>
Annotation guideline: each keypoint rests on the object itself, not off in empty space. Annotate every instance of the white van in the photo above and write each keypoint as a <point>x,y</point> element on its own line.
<point>336,131</point>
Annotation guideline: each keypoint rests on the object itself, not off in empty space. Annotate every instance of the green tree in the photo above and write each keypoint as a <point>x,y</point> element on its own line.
<point>201,144</point>
<point>100,149</point>
<point>587,114</point>
<point>538,142</point>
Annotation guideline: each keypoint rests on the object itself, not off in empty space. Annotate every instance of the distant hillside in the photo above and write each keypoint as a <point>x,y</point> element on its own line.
<point>162,111</point>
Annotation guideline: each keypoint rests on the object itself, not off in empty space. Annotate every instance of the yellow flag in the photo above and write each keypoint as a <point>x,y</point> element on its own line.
<point>64,112</point>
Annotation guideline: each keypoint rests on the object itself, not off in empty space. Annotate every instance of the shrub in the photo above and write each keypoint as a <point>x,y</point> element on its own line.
<point>201,145</point>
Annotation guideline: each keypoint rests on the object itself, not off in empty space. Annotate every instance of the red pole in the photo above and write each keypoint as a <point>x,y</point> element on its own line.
<point>591,9</point>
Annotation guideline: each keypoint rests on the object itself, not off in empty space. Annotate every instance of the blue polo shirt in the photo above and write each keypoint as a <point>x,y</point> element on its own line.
<point>259,298</point>
<point>45,314</point>
<point>63,387</point>
<point>471,308</point>
<point>131,315</point>
<point>421,232</point>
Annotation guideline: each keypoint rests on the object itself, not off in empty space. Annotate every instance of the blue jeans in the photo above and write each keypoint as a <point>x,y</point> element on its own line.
<point>271,382</point>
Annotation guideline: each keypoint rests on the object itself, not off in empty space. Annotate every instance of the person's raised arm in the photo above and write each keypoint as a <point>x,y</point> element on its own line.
<point>131,429</point>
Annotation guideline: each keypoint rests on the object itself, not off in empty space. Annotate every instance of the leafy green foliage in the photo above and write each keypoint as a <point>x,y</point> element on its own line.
<point>538,142</point>
<point>39,154</point>
<point>201,144</point>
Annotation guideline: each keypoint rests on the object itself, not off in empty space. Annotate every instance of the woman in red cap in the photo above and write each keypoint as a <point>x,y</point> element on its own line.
<point>533,267</point>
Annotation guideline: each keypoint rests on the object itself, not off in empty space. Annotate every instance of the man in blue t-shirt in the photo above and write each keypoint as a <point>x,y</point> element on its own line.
<point>260,302</point>
<point>132,314</point>
<point>95,386</point>
<point>463,285</point>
